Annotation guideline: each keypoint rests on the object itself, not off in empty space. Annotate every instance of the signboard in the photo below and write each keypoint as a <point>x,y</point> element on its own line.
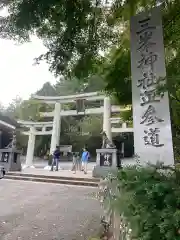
<point>65,148</point>
<point>151,116</point>
<point>105,160</point>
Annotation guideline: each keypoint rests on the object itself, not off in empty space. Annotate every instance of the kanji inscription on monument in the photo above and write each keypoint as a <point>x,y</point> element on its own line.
<point>151,115</point>
<point>106,160</point>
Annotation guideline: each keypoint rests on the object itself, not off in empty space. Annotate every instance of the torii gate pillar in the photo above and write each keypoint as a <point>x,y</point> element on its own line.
<point>107,118</point>
<point>30,148</point>
<point>56,127</point>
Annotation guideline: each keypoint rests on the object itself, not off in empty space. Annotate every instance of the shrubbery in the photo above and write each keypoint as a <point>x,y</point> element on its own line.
<point>148,198</point>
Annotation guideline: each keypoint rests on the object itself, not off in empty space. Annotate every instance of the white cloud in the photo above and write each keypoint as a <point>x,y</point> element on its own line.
<point>18,75</point>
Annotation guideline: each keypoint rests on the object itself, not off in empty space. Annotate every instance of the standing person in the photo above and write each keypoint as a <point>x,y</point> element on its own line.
<point>56,157</point>
<point>73,161</point>
<point>84,158</point>
<point>78,162</point>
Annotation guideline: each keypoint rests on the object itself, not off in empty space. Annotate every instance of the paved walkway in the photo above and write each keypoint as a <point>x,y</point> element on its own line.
<point>39,211</point>
<point>63,165</point>
<point>68,165</point>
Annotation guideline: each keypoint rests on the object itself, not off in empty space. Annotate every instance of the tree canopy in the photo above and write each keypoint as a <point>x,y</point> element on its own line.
<point>72,31</point>
<point>85,37</point>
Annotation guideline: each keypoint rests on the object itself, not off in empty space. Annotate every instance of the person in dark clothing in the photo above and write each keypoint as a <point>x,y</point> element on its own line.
<point>2,172</point>
<point>56,157</point>
<point>119,156</point>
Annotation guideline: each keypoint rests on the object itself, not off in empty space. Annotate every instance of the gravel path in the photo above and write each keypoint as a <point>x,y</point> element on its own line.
<point>39,211</point>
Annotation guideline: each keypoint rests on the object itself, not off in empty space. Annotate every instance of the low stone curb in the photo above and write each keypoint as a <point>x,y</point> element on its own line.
<point>53,180</point>
<point>18,174</point>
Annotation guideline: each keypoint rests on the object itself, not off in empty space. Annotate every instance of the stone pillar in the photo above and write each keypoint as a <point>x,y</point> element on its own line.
<point>30,148</point>
<point>56,127</point>
<point>107,118</point>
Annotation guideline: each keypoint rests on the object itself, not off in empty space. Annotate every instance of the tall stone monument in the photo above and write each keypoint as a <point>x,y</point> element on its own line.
<point>151,115</point>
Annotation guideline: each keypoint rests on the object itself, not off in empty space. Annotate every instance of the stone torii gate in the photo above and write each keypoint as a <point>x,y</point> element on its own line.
<point>58,112</point>
<point>121,129</point>
<point>53,128</point>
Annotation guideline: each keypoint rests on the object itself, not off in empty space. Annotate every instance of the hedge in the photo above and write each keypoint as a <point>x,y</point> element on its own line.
<point>148,201</point>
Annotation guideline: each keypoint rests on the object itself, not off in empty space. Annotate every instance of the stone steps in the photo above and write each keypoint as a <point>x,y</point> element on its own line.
<point>53,179</point>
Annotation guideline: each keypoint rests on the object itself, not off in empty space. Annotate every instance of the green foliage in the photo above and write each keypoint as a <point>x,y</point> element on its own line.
<point>76,32</point>
<point>72,30</point>
<point>148,198</point>
<point>82,132</point>
<point>127,116</point>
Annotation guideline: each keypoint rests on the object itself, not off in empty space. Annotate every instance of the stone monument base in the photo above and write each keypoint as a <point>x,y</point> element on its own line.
<point>102,172</point>
<point>10,159</point>
<point>106,162</point>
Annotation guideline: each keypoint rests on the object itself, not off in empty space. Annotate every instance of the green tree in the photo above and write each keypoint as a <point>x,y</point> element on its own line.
<point>85,132</point>
<point>72,30</point>
<point>47,90</point>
